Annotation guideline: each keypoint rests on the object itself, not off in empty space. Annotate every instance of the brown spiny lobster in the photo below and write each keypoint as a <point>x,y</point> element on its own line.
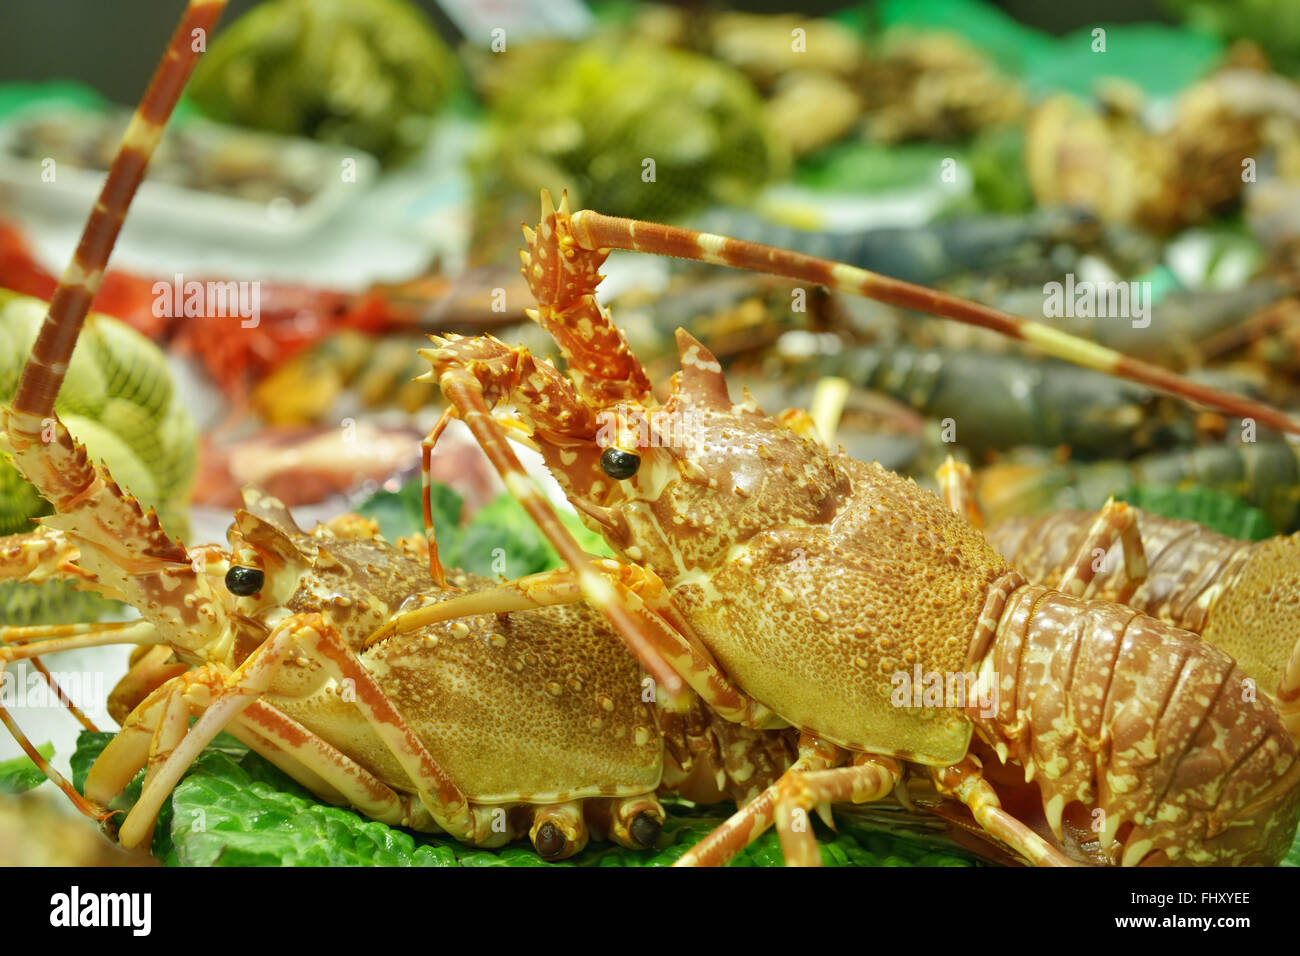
<point>1241,596</point>
<point>801,587</point>
<point>259,627</point>
<point>487,729</point>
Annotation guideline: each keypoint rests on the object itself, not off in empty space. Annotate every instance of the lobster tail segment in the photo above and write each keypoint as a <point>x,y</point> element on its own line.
<point>70,303</point>
<point>1142,738</point>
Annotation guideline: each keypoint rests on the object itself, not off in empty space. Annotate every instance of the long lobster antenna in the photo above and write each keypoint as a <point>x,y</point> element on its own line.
<point>48,363</point>
<point>595,231</point>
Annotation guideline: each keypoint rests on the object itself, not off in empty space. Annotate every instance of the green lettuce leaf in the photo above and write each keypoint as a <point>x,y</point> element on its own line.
<point>1219,512</point>
<point>401,513</point>
<point>232,808</point>
<point>499,540</point>
<point>21,774</point>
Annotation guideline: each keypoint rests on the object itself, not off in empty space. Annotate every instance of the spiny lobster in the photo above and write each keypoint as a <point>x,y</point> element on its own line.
<point>1241,596</point>
<point>537,719</point>
<point>488,729</point>
<point>181,596</point>
<point>789,585</point>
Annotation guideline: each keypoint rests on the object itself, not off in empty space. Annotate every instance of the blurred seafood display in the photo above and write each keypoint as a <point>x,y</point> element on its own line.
<point>1227,132</point>
<point>345,179</point>
<point>369,74</point>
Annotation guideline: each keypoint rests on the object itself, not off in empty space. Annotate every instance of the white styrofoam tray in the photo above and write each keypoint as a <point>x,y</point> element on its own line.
<point>177,209</point>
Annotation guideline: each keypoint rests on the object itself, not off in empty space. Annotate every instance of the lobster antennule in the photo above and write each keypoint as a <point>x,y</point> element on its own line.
<point>48,363</point>
<point>594,231</point>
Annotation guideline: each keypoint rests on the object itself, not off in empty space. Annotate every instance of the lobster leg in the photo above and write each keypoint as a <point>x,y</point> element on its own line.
<point>156,727</point>
<point>63,698</point>
<point>642,595</point>
<point>324,770</point>
<point>36,640</point>
<point>869,778</point>
<point>311,636</point>
<point>748,823</point>
<point>60,781</point>
<point>1116,521</point>
<point>557,830</point>
<point>966,781</point>
<point>38,556</point>
<point>148,672</point>
<point>173,721</point>
<point>128,751</point>
<point>436,570</point>
<point>957,488</point>
<point>30,642</point>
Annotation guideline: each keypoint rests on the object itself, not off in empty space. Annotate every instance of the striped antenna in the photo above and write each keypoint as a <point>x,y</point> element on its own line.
<point>48,363</point>
<point>594,231</point>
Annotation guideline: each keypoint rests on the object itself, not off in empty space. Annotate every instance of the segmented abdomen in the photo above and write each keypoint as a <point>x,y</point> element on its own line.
<point>1114,711</point>
<point>1187,565</point>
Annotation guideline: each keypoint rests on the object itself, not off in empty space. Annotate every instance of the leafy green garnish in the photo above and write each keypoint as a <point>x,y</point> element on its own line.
<point>21,774</point>
<point>1219,512</point>
<point>1293,857</point>
<point>500,540</point>
<point>1158,58</point>
<point>401,513</point>
<point>232,808</point>
<point>241,812</point>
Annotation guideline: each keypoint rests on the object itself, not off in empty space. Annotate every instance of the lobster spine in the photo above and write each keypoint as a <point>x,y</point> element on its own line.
<point>1208,776</point>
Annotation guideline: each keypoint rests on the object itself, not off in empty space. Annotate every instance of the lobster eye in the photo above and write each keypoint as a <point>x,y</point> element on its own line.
<point>619,464</point>
<point>244,581</point>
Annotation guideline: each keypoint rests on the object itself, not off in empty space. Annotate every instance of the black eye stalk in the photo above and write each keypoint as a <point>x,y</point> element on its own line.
<point>619,464</point>
<point>244,581</point>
